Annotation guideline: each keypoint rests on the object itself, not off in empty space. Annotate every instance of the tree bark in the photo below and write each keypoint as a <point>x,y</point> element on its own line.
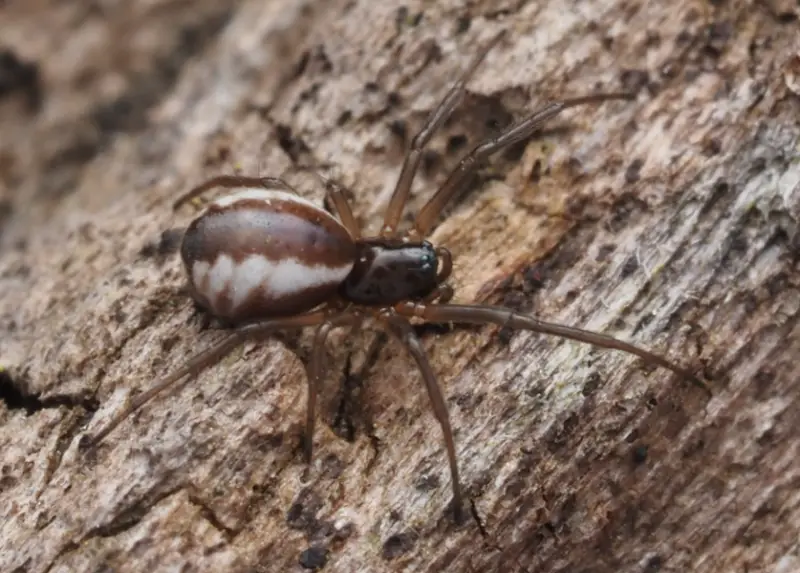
<point>670,221</point>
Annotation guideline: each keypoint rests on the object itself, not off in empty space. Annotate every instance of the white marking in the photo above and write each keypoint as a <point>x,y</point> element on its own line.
<point>199,273</point>
<point>276,279</point>
<point>220,275</point>
<point>248,275</point>
<point>290,276</point>
<point>266,195</point>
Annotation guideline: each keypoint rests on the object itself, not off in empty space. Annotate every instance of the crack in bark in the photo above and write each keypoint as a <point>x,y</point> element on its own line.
<point>131,516</point>
<point>15,395</point>
<point>62,443</point>
<point>211,517</point>
<point>123,521</point>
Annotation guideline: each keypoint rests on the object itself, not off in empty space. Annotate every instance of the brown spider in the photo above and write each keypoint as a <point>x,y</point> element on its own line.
<point>266,259</point>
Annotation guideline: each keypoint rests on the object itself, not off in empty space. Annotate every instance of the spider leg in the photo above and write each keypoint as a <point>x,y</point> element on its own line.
<point>402,330</point>
<point>208,358</point>
<point>414,154</point>
<point>229,182</point>
<point>335,193</point>
<point>316,373</point>
<point>483,314</point>
<point>519,131</point>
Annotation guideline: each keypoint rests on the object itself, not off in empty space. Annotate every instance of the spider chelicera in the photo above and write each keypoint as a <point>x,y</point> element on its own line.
<point>264,259</point>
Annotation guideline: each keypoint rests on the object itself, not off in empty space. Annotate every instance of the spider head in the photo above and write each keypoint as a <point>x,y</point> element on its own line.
<point>391,271</point>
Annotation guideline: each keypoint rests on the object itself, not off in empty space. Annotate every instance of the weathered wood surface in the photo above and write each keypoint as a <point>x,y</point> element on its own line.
<point>671,221</point>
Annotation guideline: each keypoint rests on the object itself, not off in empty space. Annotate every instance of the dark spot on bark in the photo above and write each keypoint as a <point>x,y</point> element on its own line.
<point>558,436</point>
<point>591,384</point>
<point>343,533</point>
<point>456,142</point>
<point>393,99</point>
<point>401,17</point>
<point>683,38</point>
<point>463,24</point>
<point>653,39</point>
<point>319,61</point>
<point>514,152</point>
<point>6,210</point>
<point>718,191</point>
<point>623,210</point>
<point>398,544</point>
<point>654,563</point>
<point>639,454</point>
<point>762,383</point>
<point>344,117</point>
<point>268,442</point>
<point>604,252</point>
<point>430,161</point>
<point>629,267</point>
<point>533,278</point>
<point>712,146</point>
<point>669,70</point>
<point>302,63</point>
<point>308,94</point>
<point>315,557</point>
<point>536,172</point>
<point>399,129</point>
<point>302,514</point>
<point>717,35</point>
<point>332,466</point>
<point>785,16</point>
<point>735,245</point>
<point>292,146</point>
<point>20,76</point>
<point>634,80</point>
<point>758,165</point>
<point>633,172</point>
<point>427,482</point>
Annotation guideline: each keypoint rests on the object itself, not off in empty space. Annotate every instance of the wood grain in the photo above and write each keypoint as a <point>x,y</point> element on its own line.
<point>670,221</point>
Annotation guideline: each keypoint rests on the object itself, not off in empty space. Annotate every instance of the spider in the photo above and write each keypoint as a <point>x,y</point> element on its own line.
<point>264,259</point>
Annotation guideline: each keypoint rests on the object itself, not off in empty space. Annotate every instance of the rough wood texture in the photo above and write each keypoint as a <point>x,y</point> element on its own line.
<point>671,221</point>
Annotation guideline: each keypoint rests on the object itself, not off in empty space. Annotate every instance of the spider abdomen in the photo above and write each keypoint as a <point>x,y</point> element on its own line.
<point>259,253</point>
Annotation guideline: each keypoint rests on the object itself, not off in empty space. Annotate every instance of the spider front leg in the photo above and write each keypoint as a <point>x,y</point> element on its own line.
<point>413,156</point>
<point>335,193</point>
<point>519,131</point>
<point>486,314</point>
